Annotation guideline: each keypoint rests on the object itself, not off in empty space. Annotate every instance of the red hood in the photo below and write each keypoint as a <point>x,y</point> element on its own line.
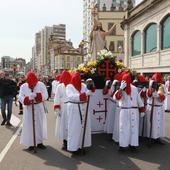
<point>57,77</point>
<point>65,77</point>
<point>31,79</point>
<point>157,77</point>
<point>76,81</point>
<point>127,78</point>
<point>141,78</point>
<point>118,76</point>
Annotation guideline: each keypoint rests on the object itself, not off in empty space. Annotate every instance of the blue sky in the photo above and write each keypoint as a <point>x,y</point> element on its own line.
<point>21,19</point>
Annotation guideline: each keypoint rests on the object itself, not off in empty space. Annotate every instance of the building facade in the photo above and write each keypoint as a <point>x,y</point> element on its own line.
<point>147,37</point>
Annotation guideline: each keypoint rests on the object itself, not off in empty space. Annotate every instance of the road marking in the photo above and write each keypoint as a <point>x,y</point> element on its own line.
<point>8,146</point>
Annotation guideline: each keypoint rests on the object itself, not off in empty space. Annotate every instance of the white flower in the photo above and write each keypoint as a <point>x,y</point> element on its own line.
<point>81,65</point>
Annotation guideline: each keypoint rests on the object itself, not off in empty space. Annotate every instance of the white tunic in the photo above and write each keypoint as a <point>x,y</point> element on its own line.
<point>158,121</point>
<point>167,99</point>
<point>111,105</point>
<point>55,83</point>
<point>40,116</point>
<point>129,118</point>
<point>115,136</point>
<point>61,120</point>
<point>75,127</point>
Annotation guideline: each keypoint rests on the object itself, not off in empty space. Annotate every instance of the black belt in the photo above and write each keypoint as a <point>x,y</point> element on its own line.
<point>75,102</point>
<point>112,100</point>
<point>78,103</point>
<point>129,107</point>
<point>156,105</point>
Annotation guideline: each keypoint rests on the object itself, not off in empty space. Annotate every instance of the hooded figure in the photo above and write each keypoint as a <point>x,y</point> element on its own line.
<point>167,90</point>
<point>76,109</point>
<point>115,87</point>
<point>142,92</point>
<point>158,119</point>
<point>130,105</point>
<point>60,107</point>
<point>35,91</point>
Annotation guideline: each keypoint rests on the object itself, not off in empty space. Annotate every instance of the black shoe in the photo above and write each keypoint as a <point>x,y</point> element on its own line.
<point>64,147</point>
<point>133,148</point>
<point>3,122</point>
<point>159,141</point>
<point>41,146</point>
<point>8,124</point>
<point>31,148</point>
<point>121,149</point>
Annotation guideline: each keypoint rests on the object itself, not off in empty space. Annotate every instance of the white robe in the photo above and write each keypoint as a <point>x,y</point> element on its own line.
<point>167,99</point>
<point>115,136</point>
<point>55,83</point>
<point>129,118</point>
<point>158,121</point>
<point>75,128</point>
<point>61,120</point>
<point>111,105</point>
<point>40,116</point>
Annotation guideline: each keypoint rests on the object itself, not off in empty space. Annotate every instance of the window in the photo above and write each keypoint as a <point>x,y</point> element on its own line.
<point>166,33</point>
<point>120,47</point>
<point>114,30</point>
<point>151,38</point>
<point>112,46</point>
<point>136,43</point>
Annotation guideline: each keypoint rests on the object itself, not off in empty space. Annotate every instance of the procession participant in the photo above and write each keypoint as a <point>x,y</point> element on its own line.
<point>36,92</point>
<point>76,108</point>
<point>111,105</point>
<point>115,87</point>
<point>167,90</point>
<point>141,84</point>
<point>20,82</point>
<point>60,108</point>
<point>155,111</point>
<point>55,83</point>
<point>130,104</point>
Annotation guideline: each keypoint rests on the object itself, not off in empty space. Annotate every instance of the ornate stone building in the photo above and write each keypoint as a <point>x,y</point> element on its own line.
<point>147,37</point>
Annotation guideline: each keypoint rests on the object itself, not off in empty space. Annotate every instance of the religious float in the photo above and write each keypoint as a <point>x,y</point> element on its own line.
<point>104,68</point>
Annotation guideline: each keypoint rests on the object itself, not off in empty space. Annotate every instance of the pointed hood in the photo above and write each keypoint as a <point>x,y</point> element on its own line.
<point>31,79</point>
<point>65,77</point>
<point>57,77</point>
<point>76,81</point>
<point>118,76</point>
<point>127,78</point>
<point>140,78</point>
<point>157,77</point>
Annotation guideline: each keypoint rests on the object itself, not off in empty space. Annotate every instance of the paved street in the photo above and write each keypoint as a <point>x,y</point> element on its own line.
<point>103,155</point>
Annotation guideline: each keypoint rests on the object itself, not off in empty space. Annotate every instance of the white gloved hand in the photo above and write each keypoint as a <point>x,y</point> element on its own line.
<point>114,82</point>
<point>89,92</point>
<point>123,85</point>
<point>32,96</point>
<point>155,94</point>
<point>57,113</point>
<point>144,89</point>
<point>142,114</point>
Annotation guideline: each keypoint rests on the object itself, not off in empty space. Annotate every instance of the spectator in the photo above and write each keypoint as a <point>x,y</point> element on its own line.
<point>7,92</point>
